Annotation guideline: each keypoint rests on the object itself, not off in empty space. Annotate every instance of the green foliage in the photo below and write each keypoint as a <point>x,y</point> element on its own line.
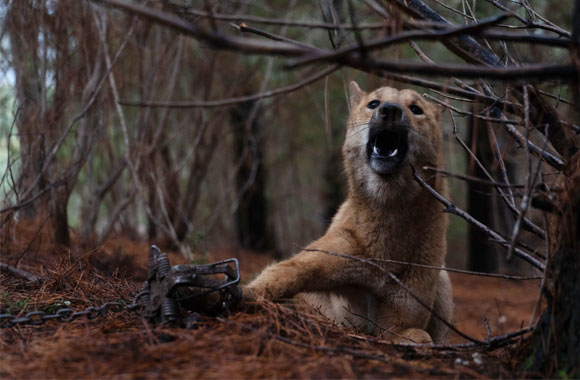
<point>11,306</point>
<point>562,374</point>
<point>55,306</point>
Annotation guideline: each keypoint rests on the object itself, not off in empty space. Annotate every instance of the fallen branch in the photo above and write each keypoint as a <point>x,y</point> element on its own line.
<point>20,273</point>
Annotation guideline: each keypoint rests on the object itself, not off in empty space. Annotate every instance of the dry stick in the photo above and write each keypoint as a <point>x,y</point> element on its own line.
<point>448,89</point>
<point>453,97</point>
<point>214,39</point>
<point>114,215</point>
<point>486,323</point>
<point>448,32</point>
<point>132,167</point>
<point>248,29</point>
<point>496,341</point>
<point>472,179</point>
<point>241,99</point>
<point>529,24</point>
<point>20,273</point>
<point>463,14</point>
<point>465,90</point>
<point>255,47</point>
<point>528,38</point>
<point>539,71</point>
<point>402,285</point>
<point>496,275</point>
<point>251,46</point>
<point>558,98</point>
<point>494,145</point>
<point>73,121</point>
<point>452,209</point>
<point>303,24</point>
<point>493,342</point>
<point>530,184</point>
<point>550,159</point>
<point>529,225</point>
<point>490,130</point>
<point>282,22</point>
<point>338,349</point>
<point>466,113</point>
<point>463,46</point>
<point>469,49</point>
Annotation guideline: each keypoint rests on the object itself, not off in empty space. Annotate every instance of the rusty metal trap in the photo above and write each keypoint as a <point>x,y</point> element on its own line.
<point>170,291</point>
<point>175,296</point>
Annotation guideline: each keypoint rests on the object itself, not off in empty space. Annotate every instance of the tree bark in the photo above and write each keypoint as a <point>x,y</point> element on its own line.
<point>483,205</point>
<point>555,344</point>
<point>23,31</point>
<point>555,348</point>
<point>251,214</point>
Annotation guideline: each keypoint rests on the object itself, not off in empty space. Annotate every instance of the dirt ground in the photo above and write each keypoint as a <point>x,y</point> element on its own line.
<point>257,341</point>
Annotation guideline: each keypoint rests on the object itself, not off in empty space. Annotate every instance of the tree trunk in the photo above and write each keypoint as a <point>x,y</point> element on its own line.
<point>251,214</point>
<point>484,255</point>
<point>555,349</point>
<point>59,216</point>
<point>555,344</point>
<point>23,31</point>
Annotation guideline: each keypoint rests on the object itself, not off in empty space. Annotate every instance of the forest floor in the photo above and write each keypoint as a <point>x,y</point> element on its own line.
<point>263,340</point>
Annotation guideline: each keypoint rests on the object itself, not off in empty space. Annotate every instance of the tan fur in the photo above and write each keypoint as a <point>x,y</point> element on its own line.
<point>390,218</point>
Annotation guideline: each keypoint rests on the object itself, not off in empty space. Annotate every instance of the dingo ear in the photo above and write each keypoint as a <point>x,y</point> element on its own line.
<point>355,94</point>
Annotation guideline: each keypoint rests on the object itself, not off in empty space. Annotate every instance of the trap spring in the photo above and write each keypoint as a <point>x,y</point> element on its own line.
<point>164,297</point>
<point>189,286</point>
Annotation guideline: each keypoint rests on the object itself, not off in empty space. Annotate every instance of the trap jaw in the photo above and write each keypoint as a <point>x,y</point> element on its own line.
<point>193,287</point>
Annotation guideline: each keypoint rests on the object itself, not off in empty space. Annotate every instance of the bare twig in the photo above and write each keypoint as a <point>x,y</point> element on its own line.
<point>248,29</point>
<point>334,350</point>
<point>402,285</point>
<point>281,22</point>
<point>452,209</point>
<point>241,99</point>
<point>491,343</point>
<point>398,38</point>
<point>472,179</point>
<point>526,199</point>
<point>529,24</point>
<point>215,40</point>
<point>494,145</point>
<point>529,225</point>
<point>468,272</point>
<point>537,71</point>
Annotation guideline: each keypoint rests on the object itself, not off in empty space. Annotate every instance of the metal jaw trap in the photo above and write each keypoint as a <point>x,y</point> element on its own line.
<point>169,290</point>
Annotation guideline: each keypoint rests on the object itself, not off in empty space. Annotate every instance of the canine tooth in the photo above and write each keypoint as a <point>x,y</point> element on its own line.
<point>394,153</point>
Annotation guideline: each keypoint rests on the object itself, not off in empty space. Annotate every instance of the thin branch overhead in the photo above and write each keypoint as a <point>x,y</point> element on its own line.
<point>350,56</point>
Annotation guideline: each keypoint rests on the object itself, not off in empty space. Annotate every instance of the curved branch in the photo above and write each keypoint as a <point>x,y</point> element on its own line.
<point>230,101</point>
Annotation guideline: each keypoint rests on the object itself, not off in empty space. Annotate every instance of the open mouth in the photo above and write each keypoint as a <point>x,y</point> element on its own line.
<point>387,149</point>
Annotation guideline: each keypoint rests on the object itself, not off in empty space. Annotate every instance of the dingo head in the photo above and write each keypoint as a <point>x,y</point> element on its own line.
<point>388,131</point>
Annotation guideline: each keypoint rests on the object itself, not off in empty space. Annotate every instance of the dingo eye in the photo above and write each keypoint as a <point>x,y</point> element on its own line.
<point>373,104</point>
<point>416,109</point>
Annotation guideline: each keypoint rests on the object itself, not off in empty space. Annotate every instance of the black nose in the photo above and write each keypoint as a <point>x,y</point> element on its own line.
<point>391,112</point>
